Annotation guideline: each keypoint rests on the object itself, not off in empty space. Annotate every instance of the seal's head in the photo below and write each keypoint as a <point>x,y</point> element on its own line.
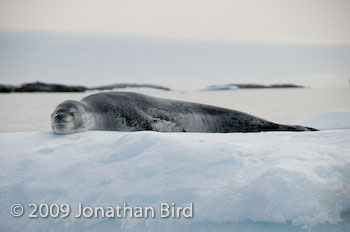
<point>69,117</point>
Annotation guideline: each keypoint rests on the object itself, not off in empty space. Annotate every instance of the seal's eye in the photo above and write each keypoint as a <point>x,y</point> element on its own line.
<point>72,113</point>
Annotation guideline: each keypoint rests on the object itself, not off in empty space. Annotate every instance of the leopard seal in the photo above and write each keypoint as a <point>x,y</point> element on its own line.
<point>126,111</point>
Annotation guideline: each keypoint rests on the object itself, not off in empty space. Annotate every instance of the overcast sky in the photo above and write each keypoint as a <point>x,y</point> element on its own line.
<point>292,21</point>
<point>207,31</point>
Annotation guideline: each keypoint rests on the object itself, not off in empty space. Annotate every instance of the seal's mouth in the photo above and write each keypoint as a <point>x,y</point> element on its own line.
<point>63,127</point>
<point>62,124</point>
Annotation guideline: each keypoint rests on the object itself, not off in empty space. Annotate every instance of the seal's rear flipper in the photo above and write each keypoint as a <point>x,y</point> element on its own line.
<point>295,128</point>
<point>310,128</point>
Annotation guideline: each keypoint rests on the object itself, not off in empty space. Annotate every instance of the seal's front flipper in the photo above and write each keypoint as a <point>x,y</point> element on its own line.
<point>163,125</point>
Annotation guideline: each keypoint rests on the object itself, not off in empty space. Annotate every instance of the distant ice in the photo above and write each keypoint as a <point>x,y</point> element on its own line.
<point>275,181</point>
<point>130,89</point>
<point>221,87</point>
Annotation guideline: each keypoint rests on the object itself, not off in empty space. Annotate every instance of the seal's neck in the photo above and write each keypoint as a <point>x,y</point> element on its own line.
<point>88,118</point>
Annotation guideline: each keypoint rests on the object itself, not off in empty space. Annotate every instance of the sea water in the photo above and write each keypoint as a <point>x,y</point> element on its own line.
<point>32,111</point>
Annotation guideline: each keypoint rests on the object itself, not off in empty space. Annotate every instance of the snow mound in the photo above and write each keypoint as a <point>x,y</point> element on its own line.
<point>275,181</point>
<point>331,120</point>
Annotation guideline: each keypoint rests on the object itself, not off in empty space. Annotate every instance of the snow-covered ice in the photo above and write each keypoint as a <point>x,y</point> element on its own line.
<point>276,181</point>
<point>331,120</point>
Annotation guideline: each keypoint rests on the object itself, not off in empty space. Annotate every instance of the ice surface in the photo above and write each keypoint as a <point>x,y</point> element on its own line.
<point>276,181</point>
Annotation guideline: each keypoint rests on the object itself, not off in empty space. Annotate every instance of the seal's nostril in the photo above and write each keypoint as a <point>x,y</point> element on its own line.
<point>59,115</point>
